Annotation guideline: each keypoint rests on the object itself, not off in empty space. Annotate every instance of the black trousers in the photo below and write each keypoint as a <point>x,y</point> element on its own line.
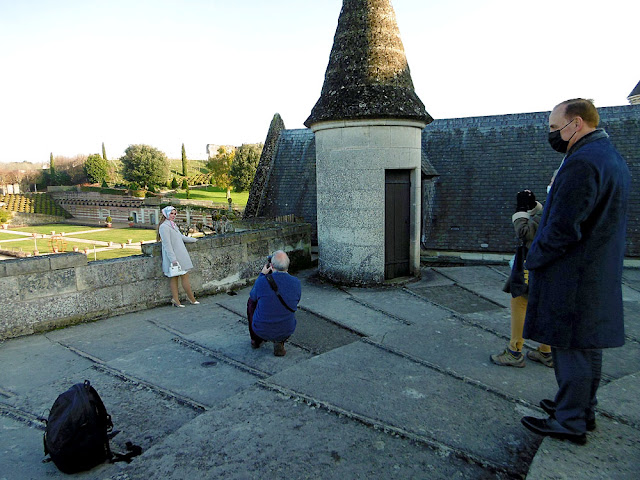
<point>578,374</point>
<point>251,307</point>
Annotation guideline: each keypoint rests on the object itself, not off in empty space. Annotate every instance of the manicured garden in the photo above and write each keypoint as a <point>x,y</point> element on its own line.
<point>70,239</point>
<point>214,194</point>
<point>32,203</point>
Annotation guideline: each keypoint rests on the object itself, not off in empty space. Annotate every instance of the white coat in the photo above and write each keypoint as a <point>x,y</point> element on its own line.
<point>173,247</point>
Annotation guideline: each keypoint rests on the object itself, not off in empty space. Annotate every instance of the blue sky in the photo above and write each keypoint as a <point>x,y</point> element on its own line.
<point>76,73</point>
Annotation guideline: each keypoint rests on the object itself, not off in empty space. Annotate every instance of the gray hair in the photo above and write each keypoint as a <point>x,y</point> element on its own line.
<point>280,261</point>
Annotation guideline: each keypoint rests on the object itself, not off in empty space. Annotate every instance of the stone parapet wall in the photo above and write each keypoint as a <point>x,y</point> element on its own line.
<point>46,292</point>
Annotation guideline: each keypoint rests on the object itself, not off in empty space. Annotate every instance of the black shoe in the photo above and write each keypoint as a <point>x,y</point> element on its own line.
<point>549,406</point>
<point>255,344</point>
<point>541,427</point>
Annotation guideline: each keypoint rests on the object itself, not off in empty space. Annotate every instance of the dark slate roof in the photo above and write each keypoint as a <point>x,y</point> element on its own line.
<point>291,186</point>
<point>368,75</point>
<point>635,91</point>
<point>479,164</point>
<point>484,161</point>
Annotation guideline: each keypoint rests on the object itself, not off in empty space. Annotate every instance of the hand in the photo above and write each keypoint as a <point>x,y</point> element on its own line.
<point>266,269</point>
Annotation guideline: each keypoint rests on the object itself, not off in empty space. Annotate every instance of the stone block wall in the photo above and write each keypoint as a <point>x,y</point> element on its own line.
<point>351,160</point>
<point>46,292</point>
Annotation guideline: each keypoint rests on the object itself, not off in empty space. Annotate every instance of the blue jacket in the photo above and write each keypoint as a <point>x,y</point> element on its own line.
<point>575,260</point>
<point>271,320</point>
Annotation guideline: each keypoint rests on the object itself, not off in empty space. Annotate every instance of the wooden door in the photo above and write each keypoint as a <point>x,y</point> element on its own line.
<point>397,216</point>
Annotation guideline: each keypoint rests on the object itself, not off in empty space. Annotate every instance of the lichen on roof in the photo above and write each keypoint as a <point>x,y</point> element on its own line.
<point>368,75</point>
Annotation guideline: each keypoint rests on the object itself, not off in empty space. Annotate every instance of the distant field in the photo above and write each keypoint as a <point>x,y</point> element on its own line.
<point>193,166</point>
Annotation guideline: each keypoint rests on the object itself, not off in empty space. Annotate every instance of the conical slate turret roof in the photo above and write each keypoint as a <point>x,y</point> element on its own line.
<point>635,92</point>
<point>368,75</point>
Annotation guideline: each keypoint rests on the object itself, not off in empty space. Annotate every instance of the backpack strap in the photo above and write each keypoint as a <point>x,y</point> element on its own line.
<point>95,399</point>
<point>133,451</point>
<point>274,287</point>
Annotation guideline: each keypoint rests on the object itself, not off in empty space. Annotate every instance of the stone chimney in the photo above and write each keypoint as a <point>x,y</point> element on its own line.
<point>368,124</point>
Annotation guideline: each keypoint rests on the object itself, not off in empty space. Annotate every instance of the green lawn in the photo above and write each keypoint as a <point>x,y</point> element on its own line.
<point>44,246</point>
<point>115,235</point>
<point>216,195</point>
<point>55,227</point>
<point>118,235</point>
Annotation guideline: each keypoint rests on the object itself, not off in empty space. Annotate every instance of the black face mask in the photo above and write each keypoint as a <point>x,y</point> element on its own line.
<point>556,141</point>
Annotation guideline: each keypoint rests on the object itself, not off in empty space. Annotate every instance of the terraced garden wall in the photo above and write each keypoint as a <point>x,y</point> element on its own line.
<point>46,292</point>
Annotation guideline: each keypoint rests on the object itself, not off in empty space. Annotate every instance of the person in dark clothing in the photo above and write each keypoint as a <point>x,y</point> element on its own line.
<point>272,304</point>
<point>525,221</point>
<point>575,268</point>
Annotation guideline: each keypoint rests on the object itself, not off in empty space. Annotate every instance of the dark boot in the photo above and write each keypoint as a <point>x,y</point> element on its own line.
<point>278,349</point>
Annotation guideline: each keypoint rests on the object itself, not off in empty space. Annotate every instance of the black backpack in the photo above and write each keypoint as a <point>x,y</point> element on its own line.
<point>78,429</point>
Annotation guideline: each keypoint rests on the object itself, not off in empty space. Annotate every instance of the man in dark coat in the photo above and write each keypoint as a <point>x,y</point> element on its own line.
<point>575,268</point>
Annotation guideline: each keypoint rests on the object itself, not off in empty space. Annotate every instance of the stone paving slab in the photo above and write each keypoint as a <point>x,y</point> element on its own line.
<point>112,337</point>
<point>196,318</point>
<point>611,453</point>
<point>630,294</point>
<point>30,362</point>
<point>142,416</point>
<point>465,351</point>
<point>339,306</point>
<point>456,298</point>
<point>261,434</point>
<point>328,302</point>
<point>313,333</point>
<point>363,379</point>
<point>235,346</point>
<point>196,376</point>
<point>485,281</point>
<point>498,321</point>
<point>632,276</point>
<point>394,410</point>
<point>632,320</point>
<point>400,303</point>
<point>472,275</point>
<point>620,398</point>
<point>24,447</point>
<point>621,361</point>
<point>431,276</point>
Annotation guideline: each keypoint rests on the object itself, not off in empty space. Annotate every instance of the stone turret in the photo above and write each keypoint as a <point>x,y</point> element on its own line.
<point>634,96</point>
<point>368,124</point>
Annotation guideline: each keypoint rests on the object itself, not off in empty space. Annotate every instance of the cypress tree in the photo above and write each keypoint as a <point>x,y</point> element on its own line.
<point>104,152</point>
<point>52,170</point>
<point>184,162</point>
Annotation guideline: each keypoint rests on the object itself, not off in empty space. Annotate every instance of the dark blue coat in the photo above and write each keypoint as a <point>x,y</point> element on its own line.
<point>271,319</point>
<point>575,261</point>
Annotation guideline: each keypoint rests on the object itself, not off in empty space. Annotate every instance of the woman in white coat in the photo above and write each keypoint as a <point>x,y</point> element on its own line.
<point>175,253</point>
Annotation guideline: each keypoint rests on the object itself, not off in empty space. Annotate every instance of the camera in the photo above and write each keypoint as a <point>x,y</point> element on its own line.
<point>269,260</point>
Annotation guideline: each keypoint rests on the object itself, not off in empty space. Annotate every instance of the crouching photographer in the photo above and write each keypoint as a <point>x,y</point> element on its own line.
<point>272,304</point>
